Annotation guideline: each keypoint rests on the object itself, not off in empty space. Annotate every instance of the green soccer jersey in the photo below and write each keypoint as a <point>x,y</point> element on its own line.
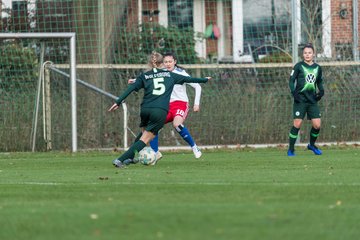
<point>158,85</point>
<point>305,80</point>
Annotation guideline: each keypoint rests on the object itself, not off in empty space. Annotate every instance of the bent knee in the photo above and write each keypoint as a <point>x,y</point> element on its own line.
<point>316,123</point>
<point>317,127</point>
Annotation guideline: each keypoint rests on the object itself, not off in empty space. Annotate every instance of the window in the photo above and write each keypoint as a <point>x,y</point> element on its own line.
<point>180,13</point>
<point>266,22</point>
<point>311,22</point>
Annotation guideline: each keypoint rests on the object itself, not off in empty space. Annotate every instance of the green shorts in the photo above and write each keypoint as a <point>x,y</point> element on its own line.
<point>152,119</point>
<point>310,109</point>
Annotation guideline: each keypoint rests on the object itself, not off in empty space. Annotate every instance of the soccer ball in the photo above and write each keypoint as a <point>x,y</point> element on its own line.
<point>147,156</point>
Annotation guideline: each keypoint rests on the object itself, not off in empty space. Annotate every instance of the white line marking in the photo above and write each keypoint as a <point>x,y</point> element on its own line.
<point>184,183</point>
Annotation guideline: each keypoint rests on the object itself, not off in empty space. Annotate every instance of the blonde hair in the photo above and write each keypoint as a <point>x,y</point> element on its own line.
<point>155,60</point>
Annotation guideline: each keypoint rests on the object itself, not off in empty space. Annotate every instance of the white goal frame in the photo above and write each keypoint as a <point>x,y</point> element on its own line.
<point>72,37</point>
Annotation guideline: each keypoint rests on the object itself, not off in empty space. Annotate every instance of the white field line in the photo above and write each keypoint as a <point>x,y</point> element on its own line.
<point>184,183</point>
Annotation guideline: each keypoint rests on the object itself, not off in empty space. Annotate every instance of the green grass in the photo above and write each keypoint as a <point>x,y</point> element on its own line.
<point>228,194</point>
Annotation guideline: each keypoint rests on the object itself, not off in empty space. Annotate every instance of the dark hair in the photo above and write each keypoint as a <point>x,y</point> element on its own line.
<point>170,54</point>
<point>309,45</point>
<point>173,55</point>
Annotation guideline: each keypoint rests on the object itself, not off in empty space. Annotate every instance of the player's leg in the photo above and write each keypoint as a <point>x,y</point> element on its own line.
<point>157,121</point>
<point>178,111</point>
<point>315,130</point>
<point>181,111</point>
<point>315,116</point>
<point>139,136</point>
<point>298,116</point>
<point>293,135</point>
<point>128,156</point>
<point>152,120</point>
<point>185,134</point>
<point>154,144</point>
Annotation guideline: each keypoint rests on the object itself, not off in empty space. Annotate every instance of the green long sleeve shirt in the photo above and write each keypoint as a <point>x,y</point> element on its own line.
<point>158,85</point>
<point>306,81</point>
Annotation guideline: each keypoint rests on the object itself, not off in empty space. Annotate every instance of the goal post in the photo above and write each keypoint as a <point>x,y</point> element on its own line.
<point>72,46</point>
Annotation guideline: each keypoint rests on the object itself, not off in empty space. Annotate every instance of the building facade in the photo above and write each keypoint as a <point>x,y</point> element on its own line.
<point>257,25</point>
<point>249,29</point>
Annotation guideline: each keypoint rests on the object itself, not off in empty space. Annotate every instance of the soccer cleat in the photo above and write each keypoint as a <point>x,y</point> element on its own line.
<point>290,153</point>
<point>158,157</point>
<point>131,161</point>
<point>315,150</point>
<point>196,151</point>
<point>117,163</point>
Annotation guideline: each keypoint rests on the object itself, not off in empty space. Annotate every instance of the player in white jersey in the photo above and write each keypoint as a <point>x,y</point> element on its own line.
<point>179,107</point>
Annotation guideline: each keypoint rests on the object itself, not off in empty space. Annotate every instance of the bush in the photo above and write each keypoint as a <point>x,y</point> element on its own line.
<point>18,78</point>
<point>276,57</point>
<point>18,67</point>
<point>135,47</point>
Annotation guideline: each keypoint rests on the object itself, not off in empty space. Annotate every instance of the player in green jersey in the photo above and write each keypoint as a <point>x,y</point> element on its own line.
<point>158,84</point>
<point>306,86</point>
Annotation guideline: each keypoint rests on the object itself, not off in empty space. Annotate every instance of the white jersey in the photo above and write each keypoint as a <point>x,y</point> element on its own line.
<point>179,91</point>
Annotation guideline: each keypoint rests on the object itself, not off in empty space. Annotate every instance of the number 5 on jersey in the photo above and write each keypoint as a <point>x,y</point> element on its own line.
<point>159,87</point>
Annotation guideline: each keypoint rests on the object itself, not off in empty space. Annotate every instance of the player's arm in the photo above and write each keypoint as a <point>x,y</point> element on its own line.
<point>197,88</point>
<point>319,83</point>
<point>131,80</point>
<point>180,79</point>
<point>293,77</point>
<point>132,87</point>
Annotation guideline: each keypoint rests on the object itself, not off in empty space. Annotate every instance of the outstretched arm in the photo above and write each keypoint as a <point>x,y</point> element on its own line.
<point>121,98</point>
<point>180,79</point>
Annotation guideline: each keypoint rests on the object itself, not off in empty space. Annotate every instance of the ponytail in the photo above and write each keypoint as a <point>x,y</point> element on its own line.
<point>156,60</point>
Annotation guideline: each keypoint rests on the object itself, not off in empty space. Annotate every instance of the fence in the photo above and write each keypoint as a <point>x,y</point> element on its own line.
<point>248,101</point>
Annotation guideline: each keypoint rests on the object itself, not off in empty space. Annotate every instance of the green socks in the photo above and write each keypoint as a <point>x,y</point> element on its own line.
<point>292,137</point>
<point>314,133</point>
<point>130,153</point>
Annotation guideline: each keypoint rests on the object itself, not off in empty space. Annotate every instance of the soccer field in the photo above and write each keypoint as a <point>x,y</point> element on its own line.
<point>228,194</point>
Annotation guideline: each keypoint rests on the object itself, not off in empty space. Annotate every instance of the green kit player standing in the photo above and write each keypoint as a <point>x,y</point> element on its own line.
<point>158,84</point>
<point>306,86</point>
